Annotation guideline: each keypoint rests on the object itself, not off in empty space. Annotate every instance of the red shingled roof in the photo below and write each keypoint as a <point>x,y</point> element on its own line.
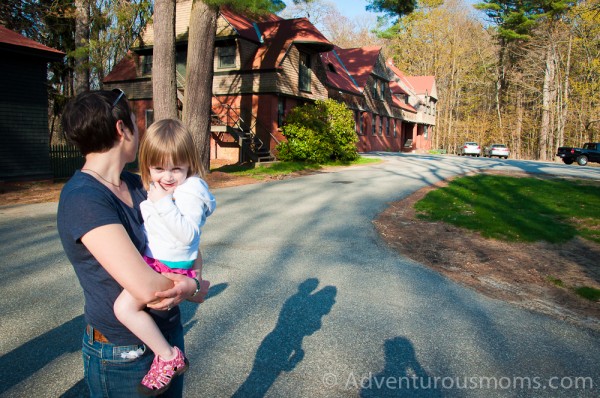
<point>244,25</point>
<point>359,62</point>
<point>338,78</point>
<point>125,70</point>
<point>279,35</point>
<point>422,84</point>
<point>11,39</point>
<point>402,105</point>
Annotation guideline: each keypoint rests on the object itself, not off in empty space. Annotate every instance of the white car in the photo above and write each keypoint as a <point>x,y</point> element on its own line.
<point>470,148</point>
<point>499,150</point>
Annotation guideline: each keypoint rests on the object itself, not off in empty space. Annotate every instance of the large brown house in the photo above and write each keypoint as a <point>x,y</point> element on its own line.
<point>264,67</point>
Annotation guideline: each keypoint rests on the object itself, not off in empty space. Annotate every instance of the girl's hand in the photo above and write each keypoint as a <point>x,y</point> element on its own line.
<point>157,192</point>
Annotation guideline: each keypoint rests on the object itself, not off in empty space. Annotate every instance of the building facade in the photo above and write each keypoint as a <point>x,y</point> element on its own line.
<point>264,67</point>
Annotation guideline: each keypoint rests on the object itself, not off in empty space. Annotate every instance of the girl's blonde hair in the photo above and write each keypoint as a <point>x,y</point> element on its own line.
<point>165,141</point>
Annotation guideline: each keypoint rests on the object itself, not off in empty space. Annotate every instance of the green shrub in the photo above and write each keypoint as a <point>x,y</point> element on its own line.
<point>319,132</point>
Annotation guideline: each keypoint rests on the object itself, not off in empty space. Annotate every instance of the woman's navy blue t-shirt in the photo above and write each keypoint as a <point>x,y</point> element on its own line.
<point>86,204</point>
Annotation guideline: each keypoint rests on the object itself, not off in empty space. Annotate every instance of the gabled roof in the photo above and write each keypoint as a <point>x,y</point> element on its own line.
<point>339,78</point>
<point>398,103</point>
<point>278,37</point>
<point>14,41</point>
<point>417,84</point>
<point>359,62</point>
<point>125,69</point>
<point>424,85</point>
<point>245,26</point>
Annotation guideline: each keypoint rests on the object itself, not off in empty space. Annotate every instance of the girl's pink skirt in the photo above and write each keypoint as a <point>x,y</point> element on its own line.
<point>162,268</point>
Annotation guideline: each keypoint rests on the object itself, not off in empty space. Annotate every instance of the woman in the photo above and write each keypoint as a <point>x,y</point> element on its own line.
<point>100,226</point>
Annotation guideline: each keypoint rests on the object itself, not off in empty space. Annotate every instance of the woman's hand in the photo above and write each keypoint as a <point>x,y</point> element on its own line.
<point>201,295</point>
<point>183,288</point>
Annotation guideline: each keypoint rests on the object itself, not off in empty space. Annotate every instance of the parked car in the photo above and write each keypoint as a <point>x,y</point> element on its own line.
<point>470,148</point>
<point>589,153</point>
<point>499,150</point>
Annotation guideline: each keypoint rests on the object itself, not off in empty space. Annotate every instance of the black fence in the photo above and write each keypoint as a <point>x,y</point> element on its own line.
<point>65,159</point>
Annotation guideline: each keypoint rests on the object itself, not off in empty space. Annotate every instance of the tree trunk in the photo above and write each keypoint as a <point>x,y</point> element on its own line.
<point>82,45</point>
<point>164,83</point>
<point>547,95</point>
<point>518,131</point>
<point>199,75</point>
<point>565,98</point>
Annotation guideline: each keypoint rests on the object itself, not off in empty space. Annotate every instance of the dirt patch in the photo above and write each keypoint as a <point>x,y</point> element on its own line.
<point>515,272</point>
<point>12,193</point>
<point>519,273</point>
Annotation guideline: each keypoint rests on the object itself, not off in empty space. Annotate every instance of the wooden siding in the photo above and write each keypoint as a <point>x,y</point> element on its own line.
<point>24,136</point>
<point>289,76</point>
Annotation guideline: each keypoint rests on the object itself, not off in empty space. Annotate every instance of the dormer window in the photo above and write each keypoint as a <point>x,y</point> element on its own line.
<point>147,65</point>
<point>227,56</point>
<point>304,72</point>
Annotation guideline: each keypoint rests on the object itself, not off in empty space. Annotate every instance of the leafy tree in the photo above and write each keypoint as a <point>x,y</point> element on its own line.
<point>319,132</point>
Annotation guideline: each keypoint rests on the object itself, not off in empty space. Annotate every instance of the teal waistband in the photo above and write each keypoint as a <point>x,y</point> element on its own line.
<point>179,264</point>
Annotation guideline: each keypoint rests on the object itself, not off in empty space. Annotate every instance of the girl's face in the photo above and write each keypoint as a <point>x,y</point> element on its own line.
<point>170,175</point>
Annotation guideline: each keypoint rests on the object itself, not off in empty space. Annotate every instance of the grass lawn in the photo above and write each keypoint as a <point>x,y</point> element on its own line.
<point>260,171</point>
<point>518,209</point>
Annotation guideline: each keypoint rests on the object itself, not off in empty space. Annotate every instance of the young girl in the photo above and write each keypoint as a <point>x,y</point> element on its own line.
<point>177,206</point>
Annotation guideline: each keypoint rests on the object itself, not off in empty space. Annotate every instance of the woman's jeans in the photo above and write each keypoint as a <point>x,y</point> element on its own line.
<point>115,371</point>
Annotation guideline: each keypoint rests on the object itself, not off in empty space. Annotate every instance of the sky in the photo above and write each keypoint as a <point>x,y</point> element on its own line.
<point>348,8</point>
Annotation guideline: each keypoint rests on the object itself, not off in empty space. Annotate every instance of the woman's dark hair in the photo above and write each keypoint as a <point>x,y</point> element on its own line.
<point>89,120</point>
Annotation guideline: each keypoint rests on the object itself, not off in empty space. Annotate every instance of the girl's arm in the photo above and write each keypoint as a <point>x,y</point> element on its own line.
<point>113,249</point>
<point>185,217</point>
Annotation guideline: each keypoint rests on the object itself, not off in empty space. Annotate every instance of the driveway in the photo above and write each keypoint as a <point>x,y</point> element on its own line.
<point>307,301</point>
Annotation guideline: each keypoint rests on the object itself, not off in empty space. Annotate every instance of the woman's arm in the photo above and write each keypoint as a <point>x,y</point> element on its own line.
<point>113,249</point>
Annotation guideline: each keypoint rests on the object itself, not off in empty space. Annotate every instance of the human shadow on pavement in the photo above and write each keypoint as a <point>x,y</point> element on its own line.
<point>67,338</point>
<point>402,376</point>
<point>24,361</point>
<point>281,350</point>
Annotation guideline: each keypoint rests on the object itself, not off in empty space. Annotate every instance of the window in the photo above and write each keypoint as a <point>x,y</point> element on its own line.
<point>394,126</point>
<point>361,121</point>
<point>304,72</point>
<point>227,56</point>
<point>331,67</point>
<point>382,88</point>
<point>380,124</point>
<point>149,114</point>
<point>374,125</point>
<point>280,111</point>
<point>147,65</point>
<point>375,89</point>
<point>386,127</point>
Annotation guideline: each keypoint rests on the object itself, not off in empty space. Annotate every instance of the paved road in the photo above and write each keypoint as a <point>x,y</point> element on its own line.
<point>307,301</point>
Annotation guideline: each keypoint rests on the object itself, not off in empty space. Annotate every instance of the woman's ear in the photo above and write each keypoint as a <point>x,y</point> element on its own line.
<point>119,126</point>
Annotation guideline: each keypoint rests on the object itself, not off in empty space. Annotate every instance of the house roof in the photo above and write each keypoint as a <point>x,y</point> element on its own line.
<point>423,84</point>
<point>417,84</point>
<point>338,76</point>
<point>14,41</point>
<point>244,25</point>
<point>278,36</point>
<point>398,103</point>
<point>359,62</point>
<point>125,69</point>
